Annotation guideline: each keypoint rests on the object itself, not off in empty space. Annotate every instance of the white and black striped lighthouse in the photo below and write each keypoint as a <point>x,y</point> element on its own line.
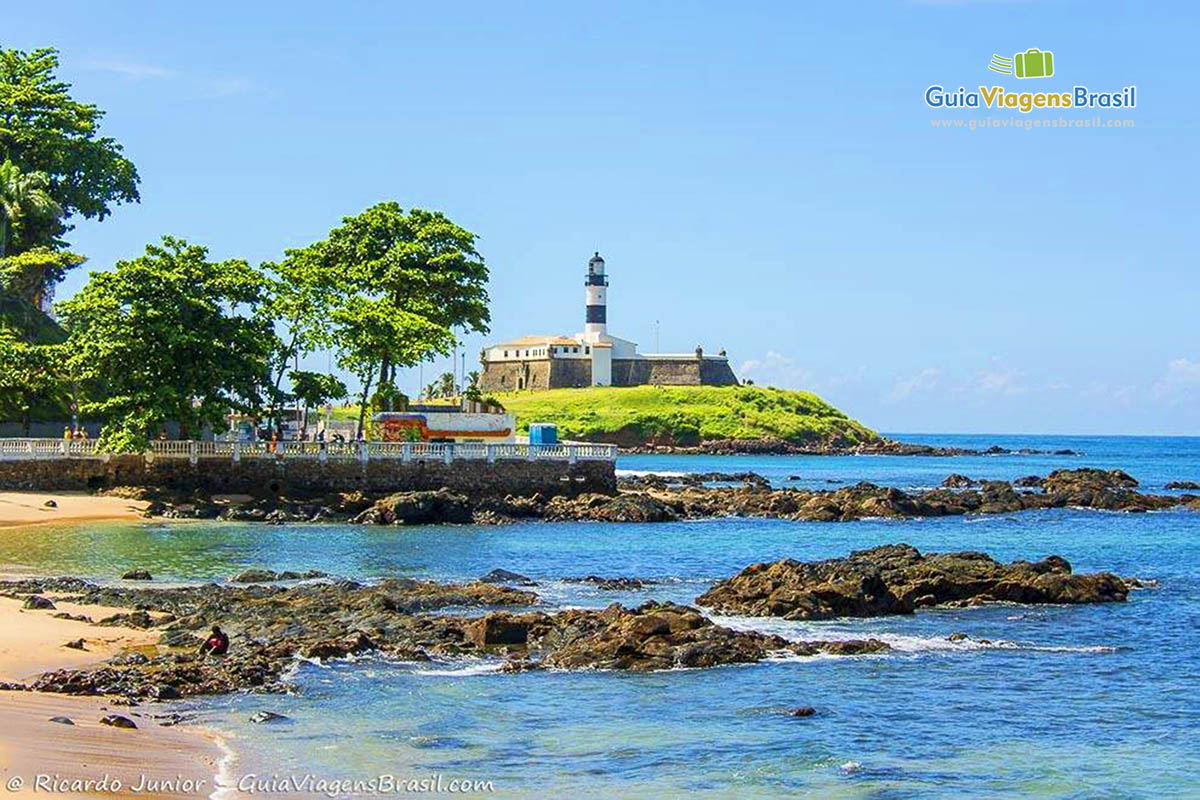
<point>597,299</point>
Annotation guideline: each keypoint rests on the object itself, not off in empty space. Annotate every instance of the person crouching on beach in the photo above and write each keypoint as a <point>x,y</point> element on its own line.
<point>216,644</point>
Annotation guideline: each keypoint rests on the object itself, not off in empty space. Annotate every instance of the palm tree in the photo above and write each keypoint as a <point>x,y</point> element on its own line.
<point>446,385</point>
<point>431,391</point>
<point>23,194</point>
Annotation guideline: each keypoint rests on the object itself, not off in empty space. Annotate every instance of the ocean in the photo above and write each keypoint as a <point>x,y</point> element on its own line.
<point>1087,701</point>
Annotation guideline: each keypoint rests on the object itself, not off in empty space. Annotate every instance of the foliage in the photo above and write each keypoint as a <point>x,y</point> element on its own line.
<point>473,392</point>
<point>23,196</point>
<point>43,129</point>
<point>32,378</point>
<point>316,388</point>
<point>686,415</point>
<point>159,339</point>
<point>396,285</point>
<point>30,274</point>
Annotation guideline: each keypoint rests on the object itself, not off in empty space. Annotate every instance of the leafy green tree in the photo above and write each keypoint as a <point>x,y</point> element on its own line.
<point>398,284</point>
<point>32,379</point>
<point>32,275</point>
<point>168,336</point>
<point>44,130</point>
<point>299,299</point>
<point>314,389</point>
<point>447,387</point>
<point>23,195</point>
<point>473,391</point>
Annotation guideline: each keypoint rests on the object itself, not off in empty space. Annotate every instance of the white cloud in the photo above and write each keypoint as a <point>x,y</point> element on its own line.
<point>924,381</point>
<point>997,381</point>
<point>130,69</point>
<point>1181,381</point>
<point>212,85</point>
<point>776,369</point>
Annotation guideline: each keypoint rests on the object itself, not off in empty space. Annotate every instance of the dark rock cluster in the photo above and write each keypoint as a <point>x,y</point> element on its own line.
<point>897,579</point>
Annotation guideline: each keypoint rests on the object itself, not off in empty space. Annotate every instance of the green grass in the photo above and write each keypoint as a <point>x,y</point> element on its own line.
<point>686,415</point>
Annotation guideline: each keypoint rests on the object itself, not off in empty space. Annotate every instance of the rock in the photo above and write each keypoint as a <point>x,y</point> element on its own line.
<point>957,637</point>
<point>956,481</point>
<point>134,619</point>
<point>357,642</point>
<point>37,602</point>
<point>75,644</point>
<point>118,721</point>
<point>498,629</point>
<point>1183,485</point>
<point>166,691</point>
<point>266,717</point>
<point>137,575</point>
<point>418,508</point>
<point>611,584</point>
<point>63,720</point>
<point>1028,480</point>
<point>897,579</point>
<point>254,576</point>
<point>50,504</point>
<point>802,711</point>
<point>505,576</point>
<point>72,617</point>
<point>634,508</point>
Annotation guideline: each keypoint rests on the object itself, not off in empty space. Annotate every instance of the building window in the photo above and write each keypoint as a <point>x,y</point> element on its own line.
<point>587,350</point>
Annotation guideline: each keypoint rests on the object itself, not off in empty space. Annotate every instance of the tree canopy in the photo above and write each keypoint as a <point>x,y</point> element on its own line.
<point>44,130</point>
<point>169,336</point>
<point>395,285</point>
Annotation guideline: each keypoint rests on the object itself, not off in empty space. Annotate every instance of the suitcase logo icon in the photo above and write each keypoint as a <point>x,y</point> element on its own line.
<point>1033,63</point>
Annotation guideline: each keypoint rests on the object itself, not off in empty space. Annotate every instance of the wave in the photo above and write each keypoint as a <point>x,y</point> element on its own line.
<point>902,644</point>
<point>463,669</point>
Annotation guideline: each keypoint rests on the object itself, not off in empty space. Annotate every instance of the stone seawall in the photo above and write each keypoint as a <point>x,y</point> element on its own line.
<point>298,479</point>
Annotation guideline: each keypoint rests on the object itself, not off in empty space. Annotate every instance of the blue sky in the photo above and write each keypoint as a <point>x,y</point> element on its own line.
<point>762,177</point>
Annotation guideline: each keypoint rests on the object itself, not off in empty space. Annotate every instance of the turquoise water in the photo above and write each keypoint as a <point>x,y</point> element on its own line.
<point>1067,702</point>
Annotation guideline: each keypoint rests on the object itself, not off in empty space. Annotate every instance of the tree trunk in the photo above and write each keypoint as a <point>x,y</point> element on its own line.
<point>3,232</point>
<point>362,406</point>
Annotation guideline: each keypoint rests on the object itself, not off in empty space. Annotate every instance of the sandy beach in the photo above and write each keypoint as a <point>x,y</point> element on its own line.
<point>182,760</point>
<point>29,508</point>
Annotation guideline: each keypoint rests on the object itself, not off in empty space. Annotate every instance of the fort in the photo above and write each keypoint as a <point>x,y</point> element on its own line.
<point>594,357</point>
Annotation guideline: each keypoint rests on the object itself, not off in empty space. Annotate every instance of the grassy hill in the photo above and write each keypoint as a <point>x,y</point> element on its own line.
<point>686,415</point>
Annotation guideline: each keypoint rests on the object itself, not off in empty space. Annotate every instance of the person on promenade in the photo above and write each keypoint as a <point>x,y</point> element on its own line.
<point>216,644</point>
<point>67,433</point>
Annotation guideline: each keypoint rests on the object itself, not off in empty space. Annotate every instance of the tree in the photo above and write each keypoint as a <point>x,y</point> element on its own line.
<point>32,275</point>
<point>446,385</point>
<point>299,297</point>
<point>473,391</point>
<point>314,389</point>
<point>399,284</point>
<point>161,339</point>
<point>23,194</point>
<point>44,130</point>
<point>32,379</point>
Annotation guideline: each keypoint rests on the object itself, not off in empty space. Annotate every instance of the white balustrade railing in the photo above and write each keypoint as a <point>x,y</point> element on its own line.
<point>51,449</point>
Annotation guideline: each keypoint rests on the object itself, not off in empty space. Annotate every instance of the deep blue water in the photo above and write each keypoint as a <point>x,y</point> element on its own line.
<point>1094,701</point>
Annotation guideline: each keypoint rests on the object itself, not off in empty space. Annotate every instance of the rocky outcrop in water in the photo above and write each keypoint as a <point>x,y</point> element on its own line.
<point>897,579</point>
<point>419,508</point>
<point>271,626</point>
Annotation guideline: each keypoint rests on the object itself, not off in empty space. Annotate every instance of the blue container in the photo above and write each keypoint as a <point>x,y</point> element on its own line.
<point>543,433</point>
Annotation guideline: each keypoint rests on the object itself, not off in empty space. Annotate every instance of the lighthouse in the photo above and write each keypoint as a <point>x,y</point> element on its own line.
<point>596,283</point>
